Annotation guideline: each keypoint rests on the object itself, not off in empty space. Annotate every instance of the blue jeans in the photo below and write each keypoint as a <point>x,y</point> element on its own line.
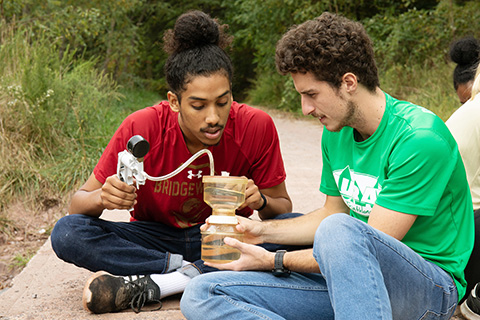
<point>127,248</point>
<point>366,274</point>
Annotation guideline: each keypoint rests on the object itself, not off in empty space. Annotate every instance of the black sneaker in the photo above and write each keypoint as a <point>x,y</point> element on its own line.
<point>104,293</point>
<point>470,308</point>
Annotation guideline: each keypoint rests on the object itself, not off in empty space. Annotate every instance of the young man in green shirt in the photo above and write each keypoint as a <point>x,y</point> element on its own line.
<point>396,230</point>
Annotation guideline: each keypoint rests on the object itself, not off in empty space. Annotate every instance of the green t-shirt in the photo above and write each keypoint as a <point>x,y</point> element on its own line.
<point>411,164</point>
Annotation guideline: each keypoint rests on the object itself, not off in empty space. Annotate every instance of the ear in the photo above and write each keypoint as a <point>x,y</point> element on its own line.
<point>350,81</point>
<point>173,100</point>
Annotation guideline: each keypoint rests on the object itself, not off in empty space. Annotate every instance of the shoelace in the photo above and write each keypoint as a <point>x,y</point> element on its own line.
<point>141,296</point>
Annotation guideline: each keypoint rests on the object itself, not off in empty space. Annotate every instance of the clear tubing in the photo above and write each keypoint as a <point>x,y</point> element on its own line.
<point>183,166</point>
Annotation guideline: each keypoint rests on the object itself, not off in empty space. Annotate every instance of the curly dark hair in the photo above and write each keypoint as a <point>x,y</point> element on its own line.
<point>196,47</point>
<point>328,46</point>
<point>466,54</point>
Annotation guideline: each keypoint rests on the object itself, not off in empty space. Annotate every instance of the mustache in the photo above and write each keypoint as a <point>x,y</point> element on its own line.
<point>212,128</point>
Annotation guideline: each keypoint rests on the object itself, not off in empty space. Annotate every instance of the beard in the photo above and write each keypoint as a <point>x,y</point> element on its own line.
<point>351,117</point>
<point>351,114</point>
<point>211,145</point>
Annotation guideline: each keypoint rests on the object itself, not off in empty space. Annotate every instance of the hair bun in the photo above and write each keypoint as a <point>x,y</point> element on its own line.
<point>465,51</point>
<point>192,29</point>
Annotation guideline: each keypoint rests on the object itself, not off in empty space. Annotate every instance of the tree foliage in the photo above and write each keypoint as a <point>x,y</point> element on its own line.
<point>124,37</point>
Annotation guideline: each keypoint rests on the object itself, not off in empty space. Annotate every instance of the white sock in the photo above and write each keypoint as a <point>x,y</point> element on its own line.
<point>170,283</point>
<point>185,262</point>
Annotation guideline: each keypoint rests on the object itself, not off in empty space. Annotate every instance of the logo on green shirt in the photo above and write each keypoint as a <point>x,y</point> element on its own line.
<point>358,190</point>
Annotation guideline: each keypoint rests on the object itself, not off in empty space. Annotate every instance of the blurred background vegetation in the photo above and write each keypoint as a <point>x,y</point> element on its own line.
<point>73,69</point>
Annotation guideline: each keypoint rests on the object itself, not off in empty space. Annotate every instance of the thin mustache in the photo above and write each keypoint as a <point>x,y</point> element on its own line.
<point>212,127</point>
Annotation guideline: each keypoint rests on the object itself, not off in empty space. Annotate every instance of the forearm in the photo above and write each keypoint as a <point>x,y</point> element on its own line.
<point>297,261</point>
<point>274,207</point>
<point>257,258</point>
<point>296,231</point>
<point>93,197</point>
<point>273,201</point>
<point>301,261</point>
<point>87,202</point>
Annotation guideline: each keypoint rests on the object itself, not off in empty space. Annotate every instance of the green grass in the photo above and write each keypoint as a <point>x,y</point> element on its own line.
<point>73,168</point>
<point>21,260</point>
<point>429,87</point>
<point>58,113</point>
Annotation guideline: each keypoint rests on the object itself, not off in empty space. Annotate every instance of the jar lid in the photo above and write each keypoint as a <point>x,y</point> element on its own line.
<point>224,179</point>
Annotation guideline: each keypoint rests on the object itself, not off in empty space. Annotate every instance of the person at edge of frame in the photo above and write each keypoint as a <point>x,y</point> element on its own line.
<point>465,128</point>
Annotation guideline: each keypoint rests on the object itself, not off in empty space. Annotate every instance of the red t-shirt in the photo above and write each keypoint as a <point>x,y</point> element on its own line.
<point>249,147</point>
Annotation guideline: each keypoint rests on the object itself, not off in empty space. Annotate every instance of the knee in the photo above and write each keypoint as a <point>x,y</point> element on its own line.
<point>63,234</point>
<point>195,295</point>
<point>334,233</point>
<point>333,226</point>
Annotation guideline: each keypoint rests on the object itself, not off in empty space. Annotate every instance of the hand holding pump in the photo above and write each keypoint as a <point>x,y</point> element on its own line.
<point>130,161</point>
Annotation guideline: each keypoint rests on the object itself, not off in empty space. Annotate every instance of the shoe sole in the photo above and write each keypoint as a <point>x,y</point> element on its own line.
<point>87,294</point>
<point>467,313</point>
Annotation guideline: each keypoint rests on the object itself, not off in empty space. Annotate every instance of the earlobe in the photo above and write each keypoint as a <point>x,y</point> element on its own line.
<point>173,101</point>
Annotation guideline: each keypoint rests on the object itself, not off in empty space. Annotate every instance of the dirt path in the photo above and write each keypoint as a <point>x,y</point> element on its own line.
<point>51,289</point>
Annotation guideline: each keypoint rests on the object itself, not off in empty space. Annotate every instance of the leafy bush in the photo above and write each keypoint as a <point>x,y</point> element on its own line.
<point>106,31</point>
<point>412,52</point>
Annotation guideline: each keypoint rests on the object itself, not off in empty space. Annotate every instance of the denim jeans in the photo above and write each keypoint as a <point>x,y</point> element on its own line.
<point>366,274</point>
<point>128,248</point>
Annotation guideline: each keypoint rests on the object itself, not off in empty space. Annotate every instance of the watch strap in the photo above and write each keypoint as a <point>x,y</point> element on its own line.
<point>279,270</point>
<point>264,202</point>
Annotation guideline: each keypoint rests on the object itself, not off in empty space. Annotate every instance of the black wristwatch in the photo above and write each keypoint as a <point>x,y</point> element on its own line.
<point>279,270</point>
